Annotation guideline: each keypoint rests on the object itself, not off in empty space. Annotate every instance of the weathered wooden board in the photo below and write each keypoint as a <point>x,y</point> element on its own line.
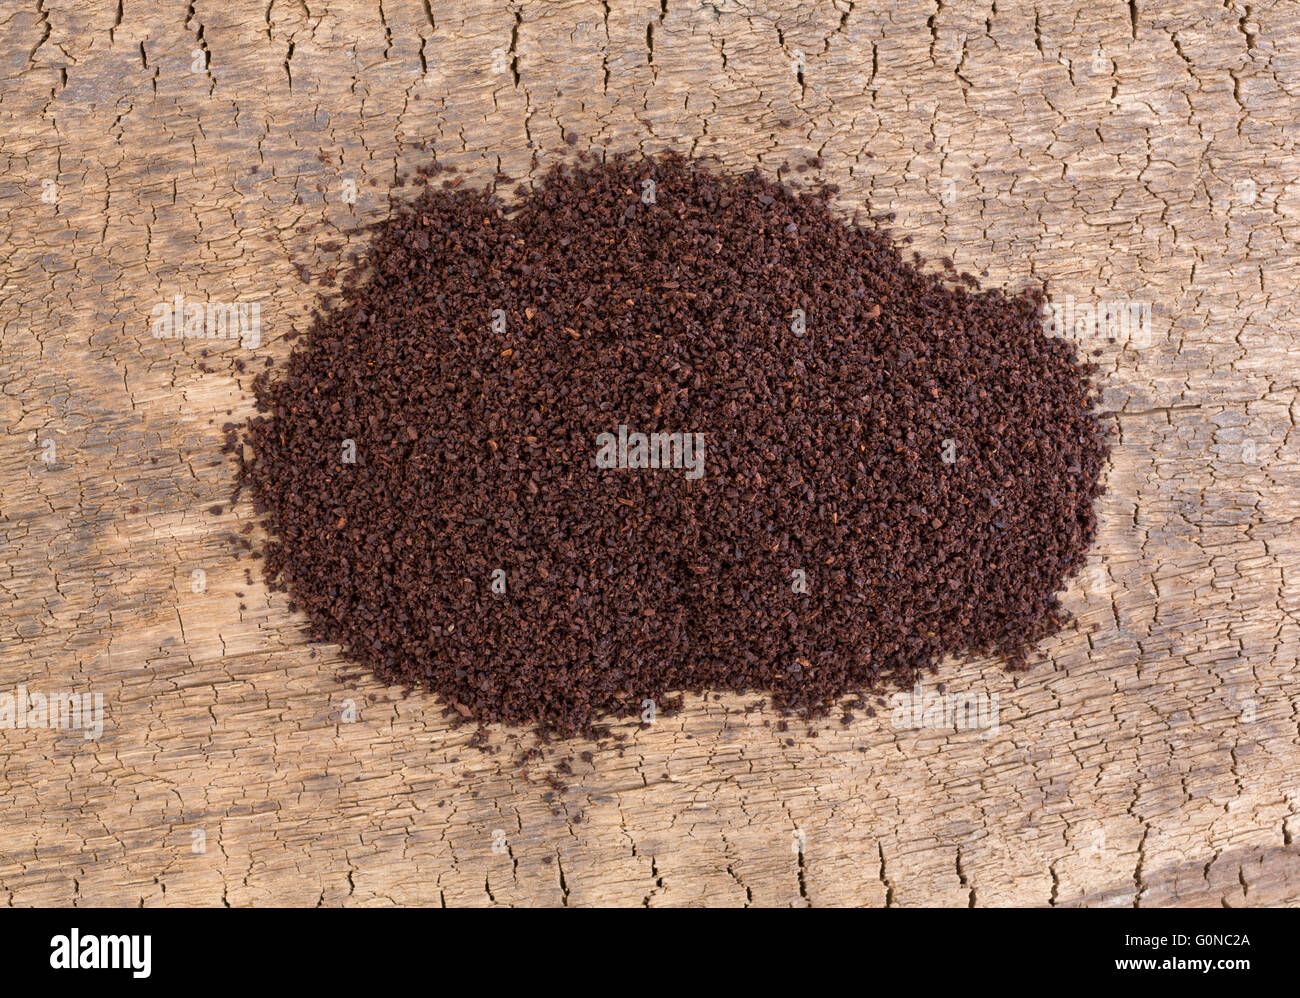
<point>150,149</point>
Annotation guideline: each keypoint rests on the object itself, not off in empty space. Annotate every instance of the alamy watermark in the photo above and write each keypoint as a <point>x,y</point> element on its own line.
<point>961,711</point>
<point>1121,320</point>
<point>92,951</point>
<point>177,319</point>
<point>651,450</point>
<point>57,711</point>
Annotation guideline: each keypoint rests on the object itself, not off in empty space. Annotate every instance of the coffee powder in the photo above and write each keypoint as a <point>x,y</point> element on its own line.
<point>656,428</point>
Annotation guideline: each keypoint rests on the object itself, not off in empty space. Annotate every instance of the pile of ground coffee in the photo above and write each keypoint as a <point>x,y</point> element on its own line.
<point>659,429</point>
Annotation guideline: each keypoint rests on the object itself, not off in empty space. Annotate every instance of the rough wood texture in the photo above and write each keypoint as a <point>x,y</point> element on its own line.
<point>1149,759</point>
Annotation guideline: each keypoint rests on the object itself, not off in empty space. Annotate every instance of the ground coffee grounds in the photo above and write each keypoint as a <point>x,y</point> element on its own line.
<point>863,466</point>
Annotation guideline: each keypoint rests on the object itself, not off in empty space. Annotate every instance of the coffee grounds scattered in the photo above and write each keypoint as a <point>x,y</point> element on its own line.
<point>907,473</point>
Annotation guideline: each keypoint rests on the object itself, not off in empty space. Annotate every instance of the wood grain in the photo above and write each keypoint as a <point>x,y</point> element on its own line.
<point>1149,758</point>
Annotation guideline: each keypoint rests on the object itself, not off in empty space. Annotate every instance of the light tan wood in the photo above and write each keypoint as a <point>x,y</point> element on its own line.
<point>1149,758</point>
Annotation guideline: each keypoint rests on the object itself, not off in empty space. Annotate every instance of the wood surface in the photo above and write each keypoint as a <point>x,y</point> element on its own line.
<point>1106,151</point>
